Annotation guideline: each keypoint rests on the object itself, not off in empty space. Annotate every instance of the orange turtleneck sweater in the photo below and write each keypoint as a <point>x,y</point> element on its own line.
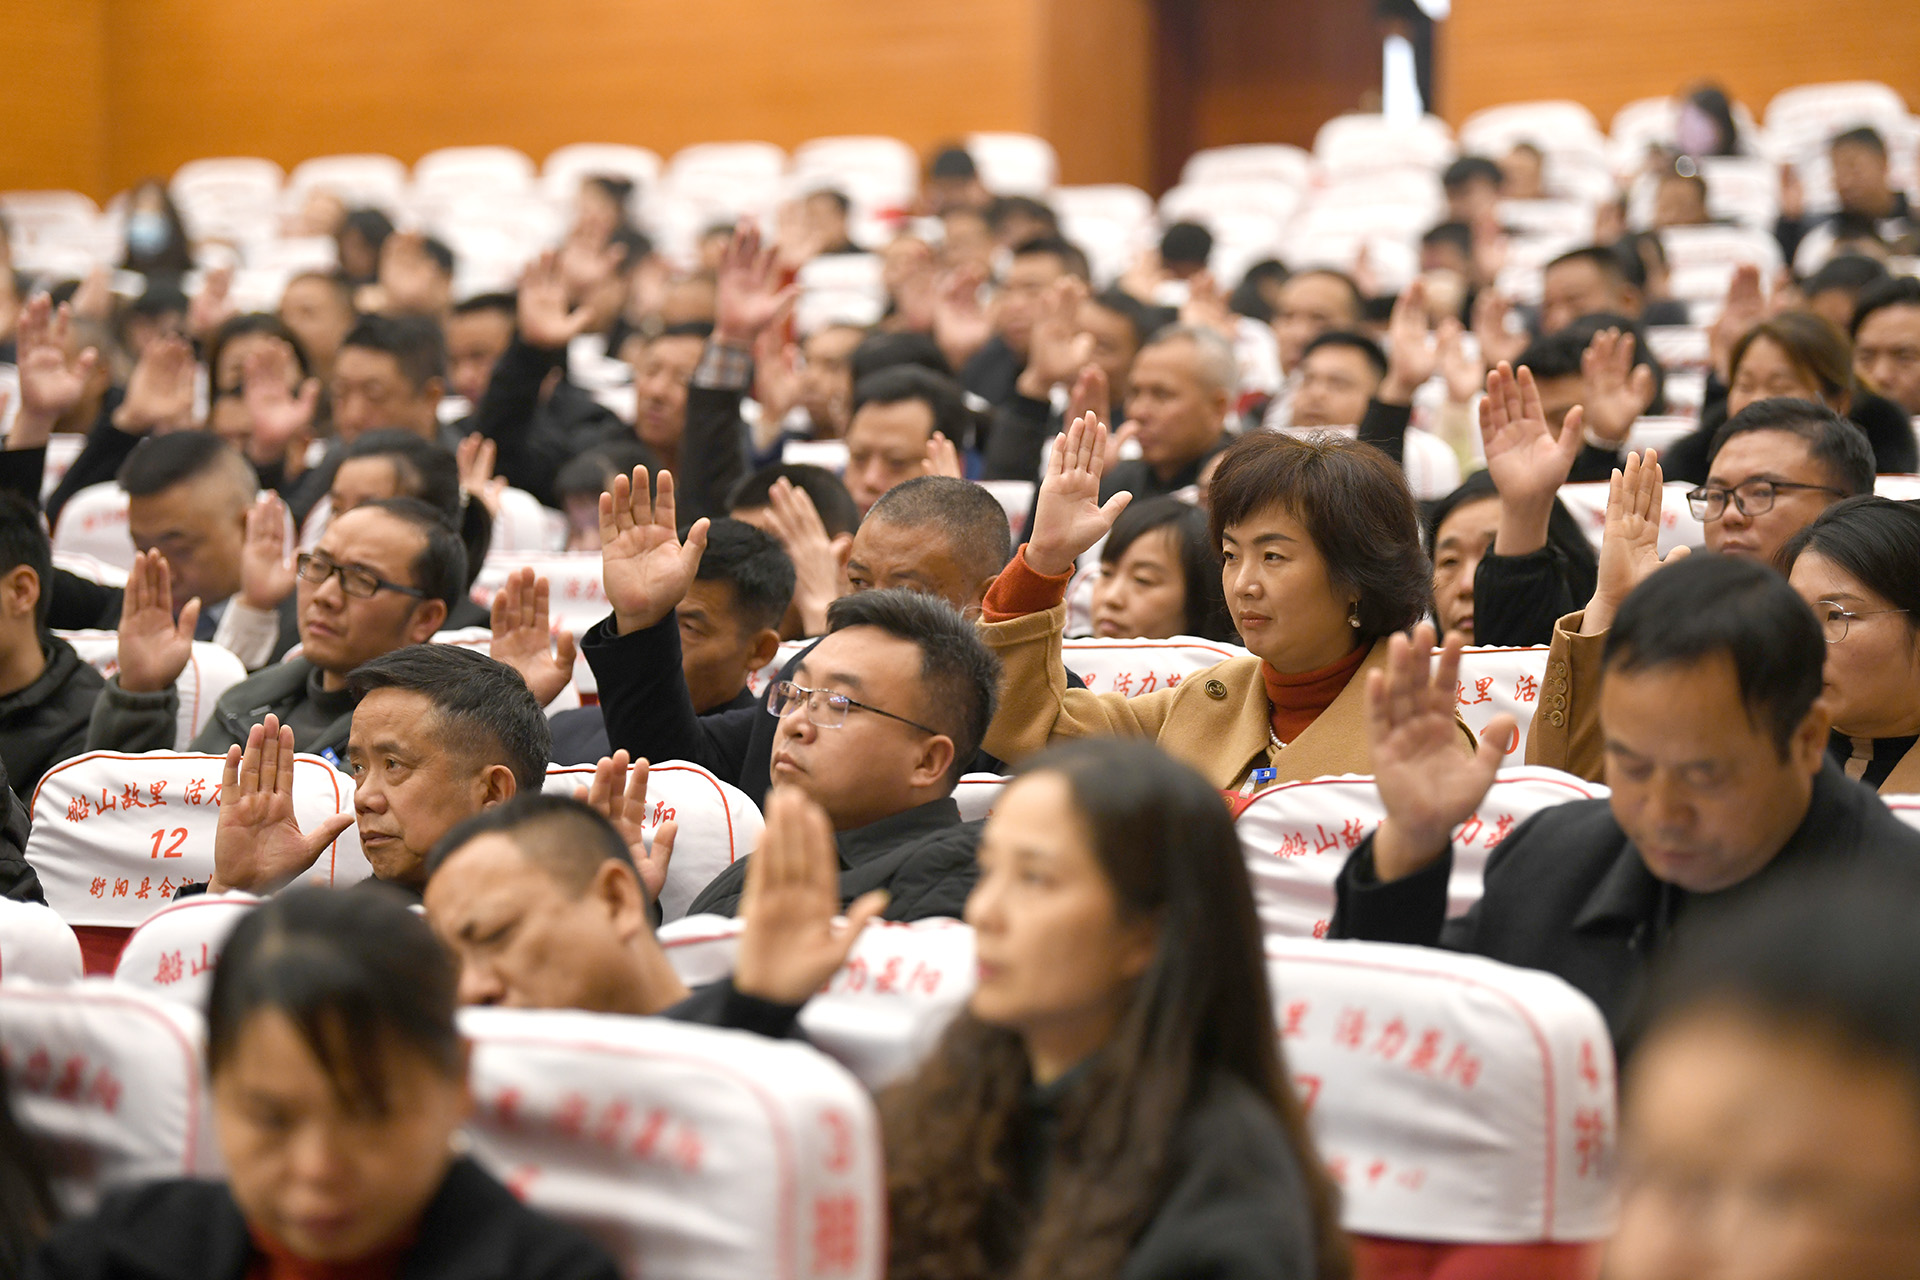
<point>272,1261</point>
<point>1297,699</point>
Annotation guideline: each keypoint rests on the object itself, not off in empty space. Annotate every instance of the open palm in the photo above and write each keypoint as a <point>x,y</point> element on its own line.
<point>258,845</point>
<point>1524,457</point>
<point>1068,516</point>
<point>645,567</point>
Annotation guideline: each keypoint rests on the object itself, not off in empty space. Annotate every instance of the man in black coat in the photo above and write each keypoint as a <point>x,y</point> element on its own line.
<point>1716,756</point>
<point>891,706</point>
<point>934,534</point>
<point>46,692</point>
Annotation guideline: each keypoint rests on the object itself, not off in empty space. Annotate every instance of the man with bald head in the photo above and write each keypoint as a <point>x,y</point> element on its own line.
<point>1183,384</point>
<point>934,535</point>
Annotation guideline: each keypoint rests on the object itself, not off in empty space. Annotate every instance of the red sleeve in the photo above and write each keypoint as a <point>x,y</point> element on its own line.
<point>1019,590</point>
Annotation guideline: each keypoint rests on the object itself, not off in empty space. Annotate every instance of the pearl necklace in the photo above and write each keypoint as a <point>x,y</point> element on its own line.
<point>1274,738</point>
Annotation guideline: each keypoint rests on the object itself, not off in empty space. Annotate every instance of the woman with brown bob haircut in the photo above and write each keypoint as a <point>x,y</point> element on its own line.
<point>1322,562</point>
<point>1112,1103</point>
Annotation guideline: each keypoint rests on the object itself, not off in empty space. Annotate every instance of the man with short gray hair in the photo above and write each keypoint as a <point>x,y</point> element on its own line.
<point>1183,386</point>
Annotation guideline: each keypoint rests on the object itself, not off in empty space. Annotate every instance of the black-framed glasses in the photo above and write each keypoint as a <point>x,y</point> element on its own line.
<point>1752,497</point>
<point>363,584</point>
<point>825,708</point>
<point>1834,619</point>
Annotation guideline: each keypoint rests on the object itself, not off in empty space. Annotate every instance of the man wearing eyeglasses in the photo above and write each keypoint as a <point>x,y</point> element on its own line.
<point>382,577</point>
<point>1775,466</point>
<point>876,726</point>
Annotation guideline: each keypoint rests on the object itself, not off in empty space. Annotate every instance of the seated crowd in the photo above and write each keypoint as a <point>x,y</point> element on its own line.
<point>841,645</point>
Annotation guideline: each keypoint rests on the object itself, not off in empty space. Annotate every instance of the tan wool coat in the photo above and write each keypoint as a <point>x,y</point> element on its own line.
<point>1566,727</point>
<point>1217,720</point>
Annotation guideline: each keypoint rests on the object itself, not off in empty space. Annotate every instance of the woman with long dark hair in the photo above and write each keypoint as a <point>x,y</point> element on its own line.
<point>339,1082</point>
<point>1112,1102</point>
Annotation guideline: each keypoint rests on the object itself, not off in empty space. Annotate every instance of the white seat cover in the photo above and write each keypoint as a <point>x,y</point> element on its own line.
<point>36,945</point>
<point>94,523</point>
<point>757,682</point>
<point>1134,667</point>
<point>719,825</point>
<point>688,1151</point>
<point>210,671</point>
<point>1588,504</point>
<point>109,1083</point>
<point>115,833</point>
<point>882,1013</point>
<point>1493,681</point>
<point>977,793</point>
<point>1297,836</point>
<point>173,952</point>
<point>1454,1098</point>
<point>578,596</point>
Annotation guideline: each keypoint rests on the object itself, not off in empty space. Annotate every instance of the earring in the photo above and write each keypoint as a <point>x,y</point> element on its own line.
<point>1353,616</point>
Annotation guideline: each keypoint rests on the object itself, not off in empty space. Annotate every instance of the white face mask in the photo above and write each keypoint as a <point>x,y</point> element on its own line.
<point>148,232</point>
<point>1696,133</point>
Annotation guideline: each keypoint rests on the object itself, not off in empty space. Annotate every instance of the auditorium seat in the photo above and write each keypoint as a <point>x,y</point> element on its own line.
<point>976,794</point>
<point>106,870</point>
<point>1355,144</point>
<point>1112,222</point>
<point>877,174</point>
<point>1271,162</point>
<point>94,523</point>
<point>209,673</point>
<point>109,1085</point>
<point>565,169</point>
<point>173,952</point>
<point>460,171</point>
<point>840,288</point>
<point>1703,259</point>
<point>36,945</point>
<point>1465,1108</point>
<point>1134,667</point>
<point>1296,837</point>
<point>719,825</point>
<point>1014,164</point>
<point>235,198</point>
<point>578,593</point>
<point>687,1151</point>
<point>374,181</point>
<point>882,1014</point>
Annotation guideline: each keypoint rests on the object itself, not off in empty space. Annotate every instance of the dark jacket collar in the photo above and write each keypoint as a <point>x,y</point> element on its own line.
<point>862,844</point>
<point>63,663</point>
<point>1631,896</point>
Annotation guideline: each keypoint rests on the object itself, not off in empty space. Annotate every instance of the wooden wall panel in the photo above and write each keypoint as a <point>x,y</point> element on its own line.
<point>309,77</point>
<point>1498,51</point>
<point>52,96</point>
<point>1095,66</point>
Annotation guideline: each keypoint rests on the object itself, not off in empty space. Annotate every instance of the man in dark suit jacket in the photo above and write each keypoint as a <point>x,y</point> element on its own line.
<point>1716,756</point>
<point>891,706</point>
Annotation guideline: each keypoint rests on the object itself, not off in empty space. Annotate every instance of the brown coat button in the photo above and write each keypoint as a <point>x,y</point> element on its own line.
<point>1217,690</point>
<point>1556,719</point>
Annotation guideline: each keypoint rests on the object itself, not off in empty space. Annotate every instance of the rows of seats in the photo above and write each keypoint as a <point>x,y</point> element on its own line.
<point>1466,1107</point>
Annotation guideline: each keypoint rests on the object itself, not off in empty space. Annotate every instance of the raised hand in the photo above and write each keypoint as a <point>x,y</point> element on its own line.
<point>961,325</point>
<point>1527,463</point>
<point>1617,391</point>
<point>213,305</point>
<point>1059,346</point>
<point>160,391</point>
<point>279,414</point>
<point>1412,356</point>
<point>644,565</point>
<point>791,942</point>
<point>943,458</point>
<point>154,648</point>
<point>1428,785</point>
<point>1068,517</point>
<point>51,380</point>
<point>524,639</point>
<point>258,846</point>
<point>1206,306</point>
<point>543,317</point>
<point>1745,307</point>
<point>819,562</point>
<point>620,796</point>
<point>475,456</point>
<point>1091,394</point>
<point>266,571</point>
<point>1497,343</point>
<point>748,296</point>
<point>1463,370</point>
<point>1630,548</point>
